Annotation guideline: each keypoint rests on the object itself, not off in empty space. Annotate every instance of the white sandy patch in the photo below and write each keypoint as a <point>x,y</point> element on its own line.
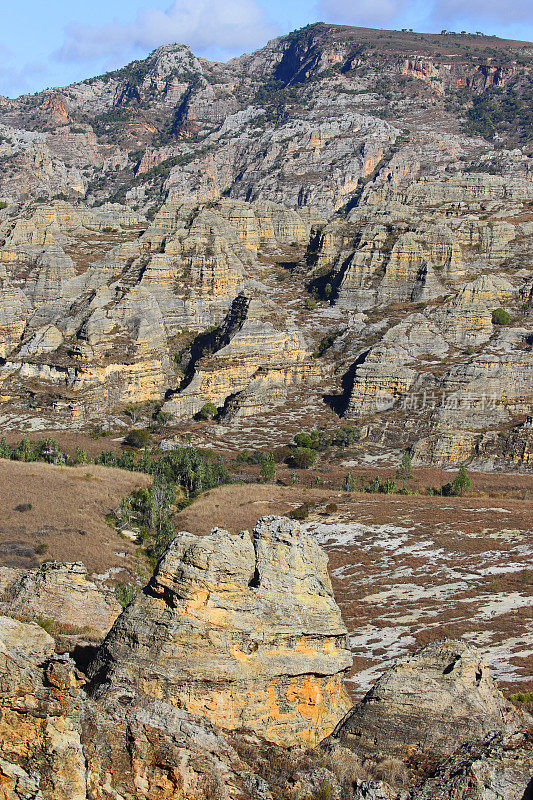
<point>502,604</point>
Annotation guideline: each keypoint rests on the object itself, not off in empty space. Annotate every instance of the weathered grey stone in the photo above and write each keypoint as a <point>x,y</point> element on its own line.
<point>242,631</point>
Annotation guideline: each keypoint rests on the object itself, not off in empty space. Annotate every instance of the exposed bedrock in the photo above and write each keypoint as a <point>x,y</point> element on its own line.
<point>242,630</point>
<point>433,701</point>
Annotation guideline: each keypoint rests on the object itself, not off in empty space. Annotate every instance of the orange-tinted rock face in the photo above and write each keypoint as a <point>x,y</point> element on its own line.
<point>242,631</point>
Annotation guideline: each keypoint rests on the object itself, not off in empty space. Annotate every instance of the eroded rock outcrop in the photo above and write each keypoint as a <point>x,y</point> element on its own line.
<point>431,703</point>
<point>241,630</point>
<point>61,593</point>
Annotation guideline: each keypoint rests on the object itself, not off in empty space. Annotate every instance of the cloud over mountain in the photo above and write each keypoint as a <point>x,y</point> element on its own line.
<point>216,28</point>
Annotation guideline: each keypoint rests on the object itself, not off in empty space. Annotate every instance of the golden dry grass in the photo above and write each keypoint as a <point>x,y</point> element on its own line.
<point>67,515</point>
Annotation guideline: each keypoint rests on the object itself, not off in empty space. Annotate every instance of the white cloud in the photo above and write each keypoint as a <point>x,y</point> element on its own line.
<point>427,14</point>
<point>362,12</point>
<point>222,27</point>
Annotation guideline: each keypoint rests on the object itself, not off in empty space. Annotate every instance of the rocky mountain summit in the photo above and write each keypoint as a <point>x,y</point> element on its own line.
<point>169,706</point>
<point>340,221</point>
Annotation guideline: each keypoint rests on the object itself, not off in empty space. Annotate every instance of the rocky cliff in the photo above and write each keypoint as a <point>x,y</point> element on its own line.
<point>241,630</point>
<point>369,184</point>
<point>64,739</point>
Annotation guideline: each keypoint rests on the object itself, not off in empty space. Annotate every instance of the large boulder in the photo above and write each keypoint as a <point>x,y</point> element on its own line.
<point>242,630</point>
<point>62,594</point>
<point>430,703</point>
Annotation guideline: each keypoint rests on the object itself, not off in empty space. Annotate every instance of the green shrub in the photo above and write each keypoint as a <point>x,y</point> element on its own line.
<point>207,411</point>
<point>160,419</point>
<point>345,436</point>
<point>80,456</point>
<point>126,593</point>
<point>282,454</point>
<point>303,457</point>
<point>303,440</point>
<point>310,303</point>
<point>500,317</point>
<point>519,698</point>
<point>329,340</point>
<point>138,438</point>
<point>45,623</point>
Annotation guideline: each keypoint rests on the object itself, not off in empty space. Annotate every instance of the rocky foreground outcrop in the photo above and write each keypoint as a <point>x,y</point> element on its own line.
<point>434,701</point>
<point>235,646</point>
<point>243,631</point>
<point>436,726</point>
<point>62,596</point>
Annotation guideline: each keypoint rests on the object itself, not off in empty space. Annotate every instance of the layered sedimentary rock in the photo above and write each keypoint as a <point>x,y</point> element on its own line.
<point>389,369</point>
<point>103,334</point>
<point>432,701</point>
<point>241,630</point>
<point>366,145</point>
<point>58,745</point>
<point>252,358</point>
<point>61,593</point>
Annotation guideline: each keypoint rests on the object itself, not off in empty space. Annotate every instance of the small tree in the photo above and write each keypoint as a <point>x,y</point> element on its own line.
<point>346,436</point>
<point>500,317</point>
<point>80,456</point>
<point>405,469</point>
<point>461,484</point>
<point>268,468</point>
<point>349,483</point>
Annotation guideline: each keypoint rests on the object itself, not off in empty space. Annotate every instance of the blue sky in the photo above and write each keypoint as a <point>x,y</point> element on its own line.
<point>58,42</point>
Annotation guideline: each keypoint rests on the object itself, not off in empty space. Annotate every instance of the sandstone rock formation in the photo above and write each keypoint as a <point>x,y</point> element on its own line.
<point>190,184</point>
<point>61,593</point>
<point>58,744</point>
<point>242,631</point>
<point>253,624</point>
<point>431,703</point>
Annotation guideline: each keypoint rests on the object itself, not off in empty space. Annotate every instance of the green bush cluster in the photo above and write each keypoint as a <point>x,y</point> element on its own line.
<point>320,439</point>
<point>327,341</point>
<point>46,450</point>
<point>500,317</point>
<point>194,470</point>
<point>207,411</point>
<point>303,457</point>
<point>138,438</point>
<point>501,110</point>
